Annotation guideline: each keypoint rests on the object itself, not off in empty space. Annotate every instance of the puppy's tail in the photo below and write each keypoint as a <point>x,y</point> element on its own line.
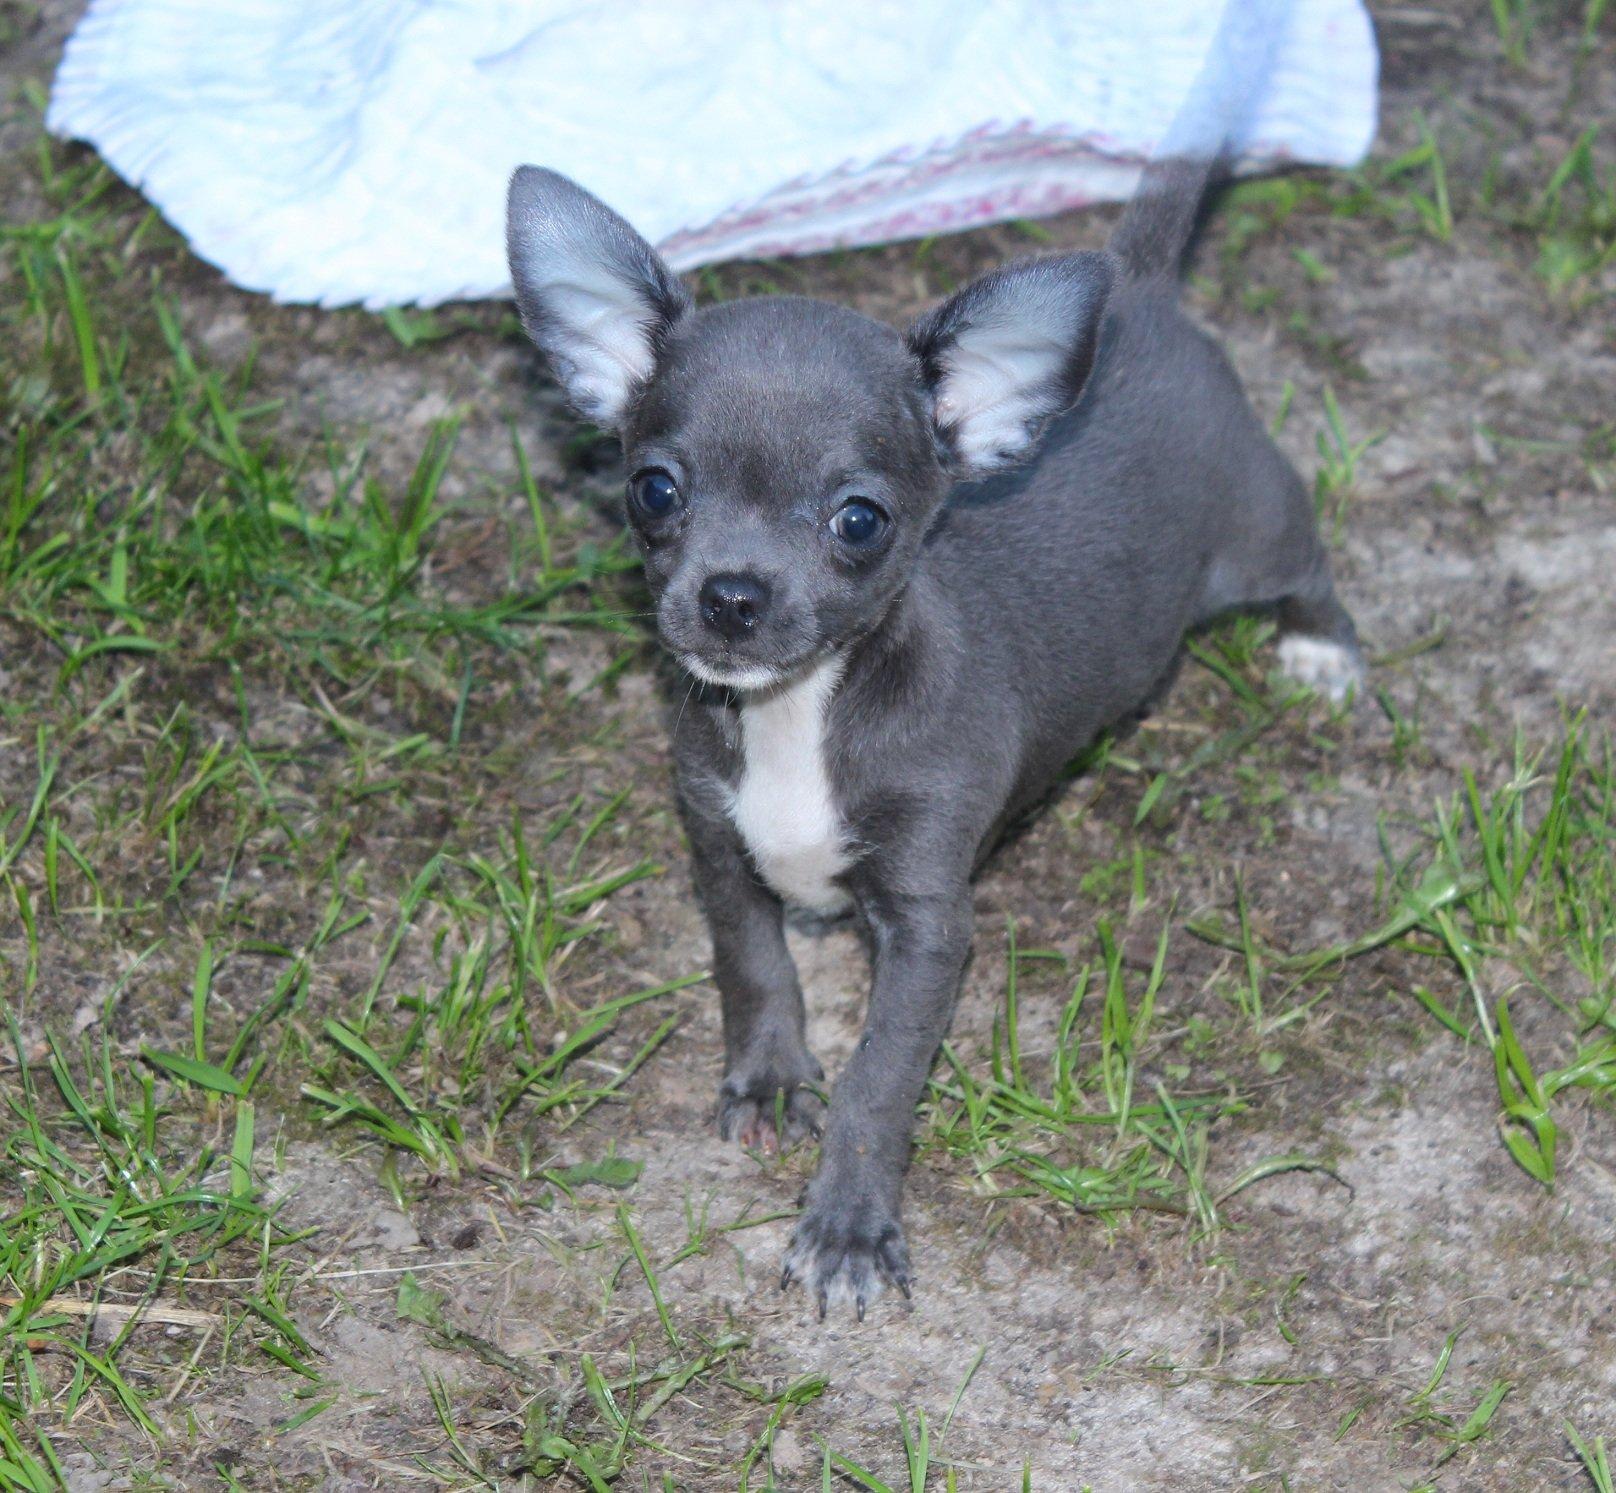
<point>1207,133</point>
<point>1162,217</point>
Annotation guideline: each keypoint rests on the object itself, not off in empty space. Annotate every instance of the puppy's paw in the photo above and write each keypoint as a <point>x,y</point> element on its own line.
<point>1335,670</point>
<point>771,1108</point>
<point>847,1251</point>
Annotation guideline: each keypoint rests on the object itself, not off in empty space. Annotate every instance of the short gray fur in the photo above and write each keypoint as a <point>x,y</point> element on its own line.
<point>1072,479</point>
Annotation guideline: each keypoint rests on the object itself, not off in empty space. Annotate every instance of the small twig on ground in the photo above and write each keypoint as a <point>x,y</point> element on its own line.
<point>153,1312</point>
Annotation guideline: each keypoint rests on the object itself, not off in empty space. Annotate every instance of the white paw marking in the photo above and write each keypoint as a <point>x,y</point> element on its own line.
<point>839,1273</point>
<point>1333,670</point>
<point>783,807</point>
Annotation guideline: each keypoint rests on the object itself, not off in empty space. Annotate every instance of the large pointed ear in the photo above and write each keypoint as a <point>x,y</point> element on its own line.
<point>593,294</point>
<point>1009,351</point>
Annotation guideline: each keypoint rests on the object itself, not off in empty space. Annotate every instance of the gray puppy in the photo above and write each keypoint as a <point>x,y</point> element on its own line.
<point>914,574</point>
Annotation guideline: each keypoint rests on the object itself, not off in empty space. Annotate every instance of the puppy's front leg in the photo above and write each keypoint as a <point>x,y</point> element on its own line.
<point>767,1065</point>
<point>850,1240</point>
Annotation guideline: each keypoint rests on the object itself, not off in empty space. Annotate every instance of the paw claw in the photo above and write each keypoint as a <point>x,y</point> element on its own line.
<point>771,1111</point>
<point>846,1250</point>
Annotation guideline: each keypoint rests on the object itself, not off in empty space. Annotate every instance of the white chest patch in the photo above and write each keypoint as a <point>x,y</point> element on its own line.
<point>783,807</point>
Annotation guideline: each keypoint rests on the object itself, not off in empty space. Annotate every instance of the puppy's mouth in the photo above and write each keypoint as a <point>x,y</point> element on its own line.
<point>737,676</point>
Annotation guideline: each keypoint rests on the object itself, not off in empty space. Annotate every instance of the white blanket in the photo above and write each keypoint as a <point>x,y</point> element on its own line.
<point>357,150</point>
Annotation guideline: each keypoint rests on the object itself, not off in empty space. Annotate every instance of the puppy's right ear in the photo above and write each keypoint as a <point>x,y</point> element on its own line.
<point>593,294</point>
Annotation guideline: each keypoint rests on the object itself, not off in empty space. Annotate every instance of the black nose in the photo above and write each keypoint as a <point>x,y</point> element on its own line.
<point>732,605</point>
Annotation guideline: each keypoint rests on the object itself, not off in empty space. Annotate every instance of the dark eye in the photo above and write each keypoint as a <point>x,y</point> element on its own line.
<point>655,493</point>
<point>858,522</point>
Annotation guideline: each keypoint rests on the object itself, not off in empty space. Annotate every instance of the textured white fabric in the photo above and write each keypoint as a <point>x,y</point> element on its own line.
<point>358,150</point>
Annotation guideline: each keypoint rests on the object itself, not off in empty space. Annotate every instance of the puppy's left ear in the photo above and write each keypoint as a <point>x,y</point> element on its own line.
<point>1009,351</point>
<point>593,294</point>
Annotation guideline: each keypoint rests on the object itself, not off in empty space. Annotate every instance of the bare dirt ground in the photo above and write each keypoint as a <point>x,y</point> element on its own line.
<point>1288,1347</point>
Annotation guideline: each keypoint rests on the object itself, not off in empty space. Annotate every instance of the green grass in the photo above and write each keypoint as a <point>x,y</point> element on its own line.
<point>316,836</point>
<point>149,503</point>
<point>1409,192</point>
<point>1516,21</point>
<point>235,665</point>
<point>924,1466</point>
<point>1090,1124</point>
<point>1508,897</point>
<point>1559,213</point>
<point>1575,219</point>
<point>118,1203</point>
<point>1455,1428</point>
<point>1337,472</point>
<point>1594,1460</point>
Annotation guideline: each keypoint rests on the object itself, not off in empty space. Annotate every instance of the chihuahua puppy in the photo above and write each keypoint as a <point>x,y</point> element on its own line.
<point>913,575</point>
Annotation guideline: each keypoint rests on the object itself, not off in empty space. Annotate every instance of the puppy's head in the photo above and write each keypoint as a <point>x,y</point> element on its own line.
<point>785,457</point>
